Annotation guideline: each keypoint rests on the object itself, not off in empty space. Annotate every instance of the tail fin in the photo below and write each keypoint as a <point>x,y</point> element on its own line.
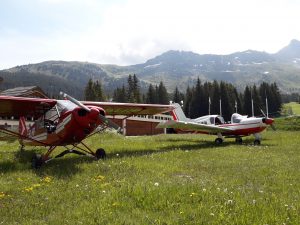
<point>22,126</point>
<point>178,113</point>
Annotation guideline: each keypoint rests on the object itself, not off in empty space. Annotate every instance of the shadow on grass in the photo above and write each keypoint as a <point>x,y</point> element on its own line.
<point>60,168</point>
<point>191,146</point>
<point>69,166</point>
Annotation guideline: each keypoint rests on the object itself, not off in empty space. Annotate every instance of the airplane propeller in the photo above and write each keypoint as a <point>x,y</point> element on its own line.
<point>268,120</point>
<point>104,119</point>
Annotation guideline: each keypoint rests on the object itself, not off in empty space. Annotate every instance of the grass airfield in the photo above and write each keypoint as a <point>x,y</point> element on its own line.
<point>164,179</point>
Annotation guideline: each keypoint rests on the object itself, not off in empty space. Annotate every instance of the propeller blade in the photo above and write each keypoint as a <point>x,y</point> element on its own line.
<point>273,127</point>
<point>263,113</point>
<point>75,101</point>
<point>110,123</point>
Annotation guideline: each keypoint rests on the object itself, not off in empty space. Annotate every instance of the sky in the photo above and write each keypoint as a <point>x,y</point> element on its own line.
<point>126,32</point>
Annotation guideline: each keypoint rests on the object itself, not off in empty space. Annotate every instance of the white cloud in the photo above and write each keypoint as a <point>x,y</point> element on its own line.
<point>132,31</point>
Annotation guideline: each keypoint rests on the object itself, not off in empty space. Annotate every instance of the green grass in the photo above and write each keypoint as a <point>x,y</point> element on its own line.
<point>165,179</point>
<point>291,108</point>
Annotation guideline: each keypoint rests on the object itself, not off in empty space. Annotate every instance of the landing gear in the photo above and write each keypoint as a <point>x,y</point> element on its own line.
<point>257,139</point>
<point>219,141</point>
<point>22,148</point>
<point>239,140</point>
<point>37,161</point>
<point>100,153</point>
<point>256,142</point>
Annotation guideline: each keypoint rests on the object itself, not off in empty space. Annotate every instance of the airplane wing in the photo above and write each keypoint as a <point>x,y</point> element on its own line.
<point>191,126</point>
<point>130,109</point>
<point>28,107</point>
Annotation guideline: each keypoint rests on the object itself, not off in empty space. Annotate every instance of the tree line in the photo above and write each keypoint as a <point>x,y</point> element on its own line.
<point>198,100</point>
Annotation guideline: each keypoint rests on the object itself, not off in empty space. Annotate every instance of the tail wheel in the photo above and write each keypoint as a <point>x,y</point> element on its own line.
<point>37,161</point>
<point>219,141</point>
<point>256,142</point>
<point>100,153</point>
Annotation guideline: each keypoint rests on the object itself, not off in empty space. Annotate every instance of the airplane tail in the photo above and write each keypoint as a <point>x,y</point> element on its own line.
<point>22,126</point>
<point>178,113</point>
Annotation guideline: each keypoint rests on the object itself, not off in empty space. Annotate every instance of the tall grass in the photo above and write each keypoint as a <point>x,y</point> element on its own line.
<point>164,179</point>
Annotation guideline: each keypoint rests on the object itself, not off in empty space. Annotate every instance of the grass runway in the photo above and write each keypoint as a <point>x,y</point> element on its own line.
<point>164,179</point>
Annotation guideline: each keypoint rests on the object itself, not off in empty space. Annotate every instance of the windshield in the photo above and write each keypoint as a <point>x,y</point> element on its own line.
<point>65,105</point>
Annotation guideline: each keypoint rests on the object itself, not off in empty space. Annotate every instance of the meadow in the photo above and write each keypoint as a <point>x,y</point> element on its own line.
<point>163,179</point>
<point>291,108</point>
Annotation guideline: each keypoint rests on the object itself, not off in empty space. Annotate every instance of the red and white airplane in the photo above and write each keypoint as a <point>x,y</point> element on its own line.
<point>66,122</point>
<point>238,127</point>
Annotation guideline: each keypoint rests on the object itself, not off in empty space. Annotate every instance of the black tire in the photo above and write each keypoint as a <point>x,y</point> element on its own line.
<point>219,141</point>
<point>239,140</point>
<point>256,142</point>
<point>37,161</point>
<point>100,153</point>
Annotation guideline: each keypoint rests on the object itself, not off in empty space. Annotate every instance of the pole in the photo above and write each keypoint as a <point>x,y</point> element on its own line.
<point>220,107</point>
<point>209,102</point>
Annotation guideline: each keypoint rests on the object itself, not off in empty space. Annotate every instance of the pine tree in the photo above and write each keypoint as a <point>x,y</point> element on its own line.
<point>151,97</point>
<point>177,96</point>
<point>99,95</point>
<point>130,89</point>
<point>89,91</point>
<point>197,100</point>
<point>207,93</point>
<point>136,89</point>
<point>120,95</point>
<point>187,102</point>
<point>163,97</point>
<point>257,103</point>
<point>275,106</point>
<point>215,103</point>
<point>227,108</point>
<point>247,101</point>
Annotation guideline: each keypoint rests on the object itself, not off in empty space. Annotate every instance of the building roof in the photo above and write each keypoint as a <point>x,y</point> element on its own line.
<point>31,91</point>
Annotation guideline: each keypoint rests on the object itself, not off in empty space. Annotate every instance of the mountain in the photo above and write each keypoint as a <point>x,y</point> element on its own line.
<point>290,52</point>
<point>174,68</point>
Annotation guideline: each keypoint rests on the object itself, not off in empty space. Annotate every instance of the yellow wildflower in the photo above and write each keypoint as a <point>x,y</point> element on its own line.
<point>47,179</point>
<point>192,194</point>
<point>29,189</point>
<point>116,204</point>
<point>2,195</point>
<point>99,177</point>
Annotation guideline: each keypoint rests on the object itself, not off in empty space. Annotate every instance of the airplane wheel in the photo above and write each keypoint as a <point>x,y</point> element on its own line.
<point>239,140</point>
<point>100,153</point>
<point>256,142</point>
<point>219,141</point>
<point>37,161</point>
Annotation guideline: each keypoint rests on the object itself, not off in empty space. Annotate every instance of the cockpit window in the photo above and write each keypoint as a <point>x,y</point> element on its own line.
<point>219,120</point>
<point>236,118</point>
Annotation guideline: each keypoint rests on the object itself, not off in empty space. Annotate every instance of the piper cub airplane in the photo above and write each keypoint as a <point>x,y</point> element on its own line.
<point>239,126</point>
<point>66,122</point>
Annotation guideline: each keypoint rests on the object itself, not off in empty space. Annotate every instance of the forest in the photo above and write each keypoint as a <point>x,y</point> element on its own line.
<point>201,99</point>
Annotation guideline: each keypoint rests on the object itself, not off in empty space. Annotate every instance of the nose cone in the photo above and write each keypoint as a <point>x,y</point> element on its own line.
<point>94,113</point>
<point>269,121</point>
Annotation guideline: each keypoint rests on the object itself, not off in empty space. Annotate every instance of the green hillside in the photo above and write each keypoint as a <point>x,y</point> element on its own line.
<point>174,68</point>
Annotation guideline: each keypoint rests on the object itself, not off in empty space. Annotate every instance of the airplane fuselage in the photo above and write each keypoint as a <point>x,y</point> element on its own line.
<point>72,127</point>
